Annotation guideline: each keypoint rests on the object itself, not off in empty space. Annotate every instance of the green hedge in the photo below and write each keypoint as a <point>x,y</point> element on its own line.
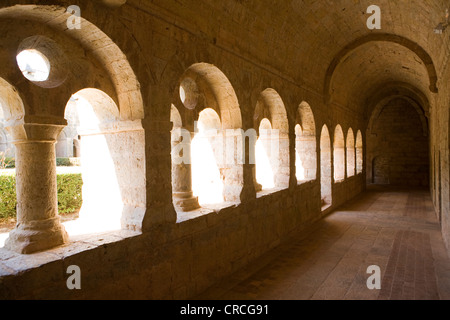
<point>7,196</point>
<point>67,162</point>
<point>63,162</point>
<point>69,194</point>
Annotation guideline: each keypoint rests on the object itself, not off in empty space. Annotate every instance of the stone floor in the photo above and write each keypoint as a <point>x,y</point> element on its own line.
<point>394,229</point>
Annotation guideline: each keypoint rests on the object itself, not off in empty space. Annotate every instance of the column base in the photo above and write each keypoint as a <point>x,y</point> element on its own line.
<point>35,236</point>
<point>185,201</point>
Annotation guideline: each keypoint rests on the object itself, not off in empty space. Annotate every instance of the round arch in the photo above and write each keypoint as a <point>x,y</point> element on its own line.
<point>351,154</point>
<point>202,86</point>
<point>275,141</point>
<point>271,106</point>
<point>11,103</point>
<point>204,96</point>
<point>359,152</point>
<point>305,144</point>
<point>348,49</point>
<point>94,40</point>
<point>383,102</point>
<point>305,117</point>
<point>112,165</point>
<point>325,168</point>
<point>339,154</point>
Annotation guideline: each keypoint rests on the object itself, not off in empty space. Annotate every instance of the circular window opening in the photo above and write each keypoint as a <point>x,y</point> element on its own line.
<point>189,93</point>
<point>34,65</point>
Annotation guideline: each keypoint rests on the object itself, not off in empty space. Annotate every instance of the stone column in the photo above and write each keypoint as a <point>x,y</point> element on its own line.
<point>183,197</point>
<point>248,157</point>
<point>38,224</point>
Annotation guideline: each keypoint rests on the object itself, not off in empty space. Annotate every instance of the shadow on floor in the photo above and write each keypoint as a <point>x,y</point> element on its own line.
<point>393,228</point>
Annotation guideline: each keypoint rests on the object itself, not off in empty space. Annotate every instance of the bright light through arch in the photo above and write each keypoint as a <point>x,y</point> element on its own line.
<point>34,65</point>
<point>263,148</point>
<point>206,146</point>
<point>299,169</point>
<point>102,206</point>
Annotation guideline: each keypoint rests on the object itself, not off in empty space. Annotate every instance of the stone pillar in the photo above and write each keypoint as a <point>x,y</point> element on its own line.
<point>280,159</point>
<point>248,156</point>
<point>183,197</point>
<point>38,224</point>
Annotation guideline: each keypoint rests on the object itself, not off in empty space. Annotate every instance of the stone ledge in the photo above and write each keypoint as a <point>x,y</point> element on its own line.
<point>267,192</point>
<point>12,263</point>
<point>204,211</point>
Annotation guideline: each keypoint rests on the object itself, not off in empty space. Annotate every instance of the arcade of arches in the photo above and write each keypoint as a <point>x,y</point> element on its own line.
<point>211,133</point>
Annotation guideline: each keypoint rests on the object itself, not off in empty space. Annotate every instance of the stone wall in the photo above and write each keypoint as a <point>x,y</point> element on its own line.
<point>171,262</point>
<point>398,147</point>
<point>439,154</point>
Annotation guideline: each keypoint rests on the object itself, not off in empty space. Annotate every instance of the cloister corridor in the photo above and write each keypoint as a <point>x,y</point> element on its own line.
<point>200,150</point>
<point>393,228</point>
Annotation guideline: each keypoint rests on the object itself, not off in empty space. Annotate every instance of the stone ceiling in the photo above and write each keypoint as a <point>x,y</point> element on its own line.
<point>303,37</point>
<point>322,45</point>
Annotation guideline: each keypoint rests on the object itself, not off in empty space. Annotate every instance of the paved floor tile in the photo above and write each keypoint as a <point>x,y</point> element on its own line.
<point>396,230</point>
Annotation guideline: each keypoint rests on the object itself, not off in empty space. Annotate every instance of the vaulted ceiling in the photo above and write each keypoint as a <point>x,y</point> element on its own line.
<point>326,44</point>
<point>322,45</point>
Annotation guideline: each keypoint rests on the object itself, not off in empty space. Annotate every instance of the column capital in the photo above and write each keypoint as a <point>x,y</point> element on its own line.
<point>35,132</point>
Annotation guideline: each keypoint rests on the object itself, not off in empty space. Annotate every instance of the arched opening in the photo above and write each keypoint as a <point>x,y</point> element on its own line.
<point>207,150</point>
<point>7,185</point>
<point>339,154</point>
<point>112,164</point>
<point>214,167</point>
<point>182,194</point>
<point>350,153</point>
<point>68,144</point>
<point>7,208</point>
<point>11,110</point>
<point>61,146</point>
<point>359,153</point>
<point>6,147</point>
<point>325,168</point>
<point>272,146</point>
<point>305,144</point>
<point>94,41</point>
<point>299,168</point>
